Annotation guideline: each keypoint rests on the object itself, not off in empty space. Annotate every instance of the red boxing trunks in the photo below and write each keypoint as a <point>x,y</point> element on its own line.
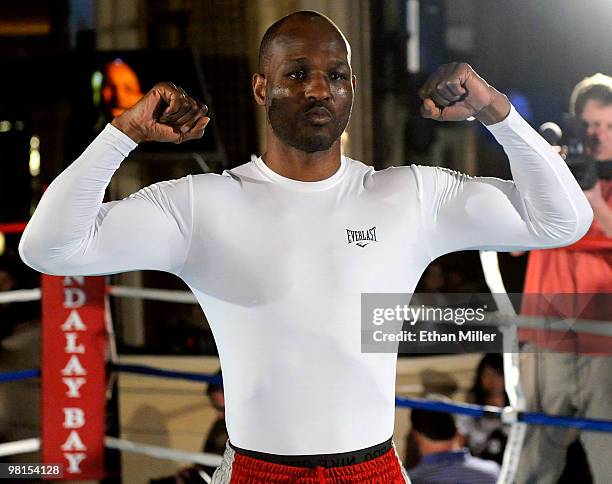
<point>378,464</point>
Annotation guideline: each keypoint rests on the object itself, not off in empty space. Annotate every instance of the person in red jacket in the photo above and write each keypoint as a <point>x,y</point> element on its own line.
<point>570,373</point>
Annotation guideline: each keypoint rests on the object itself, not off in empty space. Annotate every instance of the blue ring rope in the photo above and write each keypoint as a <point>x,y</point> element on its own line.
<point>597,425</point>
<point>446,407</point>
<point>181,375</point>
<point>533,418</point>
<point>19,375</point>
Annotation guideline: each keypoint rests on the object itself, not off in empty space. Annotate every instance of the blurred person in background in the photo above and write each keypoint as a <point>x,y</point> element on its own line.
<point>213,444</point>
<point>120,90</point>
<point>443,459</point>
<point>570,373</point>
<point>121,87</point>
<point>114,88</point>
<point>582,269</point>
<point>485,436</point>
<point>217,435</point>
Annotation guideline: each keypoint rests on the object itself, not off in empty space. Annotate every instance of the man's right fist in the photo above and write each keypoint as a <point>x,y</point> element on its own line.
<point>165,113</point>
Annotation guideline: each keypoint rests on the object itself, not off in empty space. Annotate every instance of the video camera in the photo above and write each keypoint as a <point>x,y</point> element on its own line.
<point>573,144</point>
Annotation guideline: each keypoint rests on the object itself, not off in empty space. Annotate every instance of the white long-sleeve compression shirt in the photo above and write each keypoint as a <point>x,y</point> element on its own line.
<point>272,264</point>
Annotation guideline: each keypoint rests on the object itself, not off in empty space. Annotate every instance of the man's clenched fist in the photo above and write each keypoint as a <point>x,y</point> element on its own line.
<point>455,93</point>
<point>165,113</point>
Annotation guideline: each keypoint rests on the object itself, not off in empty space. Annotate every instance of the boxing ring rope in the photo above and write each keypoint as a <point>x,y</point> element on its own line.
<point>167,295</point>
<point>497,318</point>
<point>19,375</point>
<point>20,295</point>
<point>206,459</point>
<point>19,447</point>
<point>159,372</point>
<point>506,414</point>
<point>13,227</point>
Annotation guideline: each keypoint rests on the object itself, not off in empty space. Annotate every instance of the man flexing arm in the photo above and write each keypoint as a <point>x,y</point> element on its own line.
<point>73,232</point>
<point>542,206</point>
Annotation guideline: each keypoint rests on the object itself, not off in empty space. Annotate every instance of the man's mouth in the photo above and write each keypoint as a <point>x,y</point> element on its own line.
<point>318,115</point>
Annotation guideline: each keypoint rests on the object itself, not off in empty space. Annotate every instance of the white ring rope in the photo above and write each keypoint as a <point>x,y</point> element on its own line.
<point>19,447</point>
<point>20,295</point>
<point>33,445</point>
<point>499,318</point>
<point>602,328</point>
<point>153,294</point>
<point>210,460</point>
<point>512,383</point>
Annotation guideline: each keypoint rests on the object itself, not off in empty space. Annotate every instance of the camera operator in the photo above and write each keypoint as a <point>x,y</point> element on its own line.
<point>591,102</point>
<point>571,373</point>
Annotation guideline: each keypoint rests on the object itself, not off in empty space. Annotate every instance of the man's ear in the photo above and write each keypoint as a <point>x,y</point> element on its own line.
<point>354,82</point>
<point>259,89</point>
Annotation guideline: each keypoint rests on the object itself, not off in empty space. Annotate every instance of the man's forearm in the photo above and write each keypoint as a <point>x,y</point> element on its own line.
<point>556,209</point>
<point>70,205</point>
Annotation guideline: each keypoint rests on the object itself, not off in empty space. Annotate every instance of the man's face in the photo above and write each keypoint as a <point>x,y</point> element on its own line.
<point>309,87</point>
<point>598,119</point>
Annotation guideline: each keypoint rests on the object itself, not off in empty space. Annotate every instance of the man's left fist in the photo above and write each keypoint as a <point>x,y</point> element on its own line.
<point>455,93</point>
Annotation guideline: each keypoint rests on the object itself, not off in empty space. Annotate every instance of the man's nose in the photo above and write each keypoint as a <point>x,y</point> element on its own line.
<point>317,87</point>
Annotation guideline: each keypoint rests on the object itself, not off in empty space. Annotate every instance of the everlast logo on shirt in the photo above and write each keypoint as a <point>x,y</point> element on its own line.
<point>361,237</point>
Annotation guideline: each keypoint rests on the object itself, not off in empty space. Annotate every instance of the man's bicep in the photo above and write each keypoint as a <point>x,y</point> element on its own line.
<point>151,229</point>
<point>138,234</point>
<point>484,213</point>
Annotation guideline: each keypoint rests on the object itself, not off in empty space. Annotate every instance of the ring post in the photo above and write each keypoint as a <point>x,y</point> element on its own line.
<point>73,375</point>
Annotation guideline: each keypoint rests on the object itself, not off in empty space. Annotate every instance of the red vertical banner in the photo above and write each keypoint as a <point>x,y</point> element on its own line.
<point>73,374</point>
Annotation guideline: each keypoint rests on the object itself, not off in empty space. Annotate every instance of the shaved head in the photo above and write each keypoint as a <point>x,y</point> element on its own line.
<point>305,82</point>
<point>290,25</point>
